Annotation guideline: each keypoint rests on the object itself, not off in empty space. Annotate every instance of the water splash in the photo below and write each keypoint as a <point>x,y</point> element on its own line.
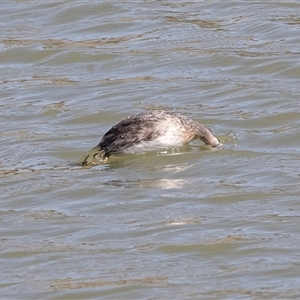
<point>94,157</point>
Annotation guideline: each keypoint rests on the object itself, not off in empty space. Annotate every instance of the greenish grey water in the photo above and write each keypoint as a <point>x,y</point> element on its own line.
<point>196,224</point>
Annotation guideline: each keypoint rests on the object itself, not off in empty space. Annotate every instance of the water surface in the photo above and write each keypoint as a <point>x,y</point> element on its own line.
<point>193,224</point>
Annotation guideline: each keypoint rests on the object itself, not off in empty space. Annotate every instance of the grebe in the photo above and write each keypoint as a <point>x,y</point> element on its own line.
<point>146,131</point>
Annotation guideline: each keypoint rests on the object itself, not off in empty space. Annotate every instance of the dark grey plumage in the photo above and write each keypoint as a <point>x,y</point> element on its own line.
<point>146,127</point>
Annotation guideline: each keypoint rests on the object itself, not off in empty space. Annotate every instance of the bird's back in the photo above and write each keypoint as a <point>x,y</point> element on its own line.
<point>163,127</point>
